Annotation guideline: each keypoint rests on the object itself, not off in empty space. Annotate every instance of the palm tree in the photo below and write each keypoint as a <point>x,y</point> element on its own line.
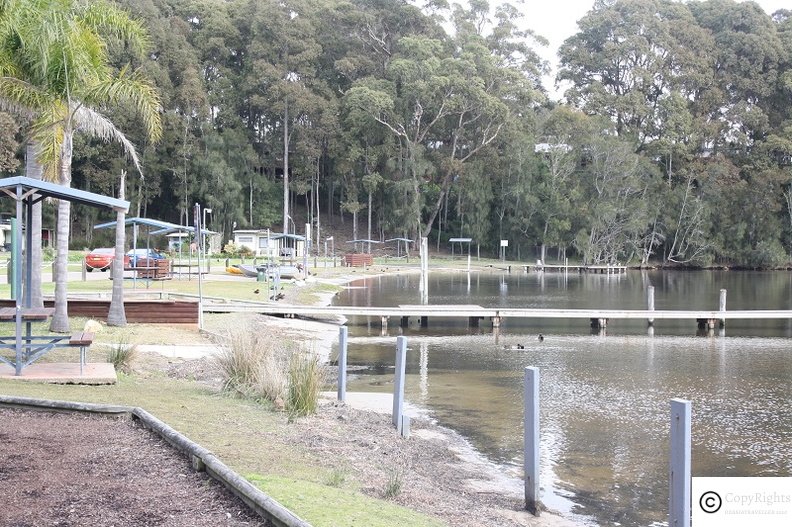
<point>54,64</point>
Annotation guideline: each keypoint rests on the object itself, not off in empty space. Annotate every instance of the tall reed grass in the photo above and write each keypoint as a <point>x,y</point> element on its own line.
<point>256,365</point>
<point>305,383</point>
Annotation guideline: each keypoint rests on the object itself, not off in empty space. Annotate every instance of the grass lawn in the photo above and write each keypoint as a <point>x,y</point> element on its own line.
<point>247,436</point>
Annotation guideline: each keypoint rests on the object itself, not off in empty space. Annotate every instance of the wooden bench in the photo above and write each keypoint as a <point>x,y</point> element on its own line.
<point>83,340</point>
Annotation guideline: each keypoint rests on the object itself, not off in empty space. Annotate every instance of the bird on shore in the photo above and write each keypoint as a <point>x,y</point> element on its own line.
<point>540,338</point>
<point>256,292</point>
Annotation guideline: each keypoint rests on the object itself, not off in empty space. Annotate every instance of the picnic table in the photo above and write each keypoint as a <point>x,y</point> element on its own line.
<point>28,347</point>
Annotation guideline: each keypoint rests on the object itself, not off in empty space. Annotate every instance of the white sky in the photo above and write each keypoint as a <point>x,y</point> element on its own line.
<point>556,20</point>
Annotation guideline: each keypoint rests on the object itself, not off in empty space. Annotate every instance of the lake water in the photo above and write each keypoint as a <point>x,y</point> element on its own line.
<point>604,398</point>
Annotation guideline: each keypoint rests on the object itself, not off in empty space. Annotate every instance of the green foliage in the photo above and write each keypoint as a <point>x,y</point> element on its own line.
<point>436,131</point>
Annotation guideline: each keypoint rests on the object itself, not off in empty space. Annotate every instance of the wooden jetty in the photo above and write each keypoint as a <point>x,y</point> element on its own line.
<point>474,314</point>
<point>561,268</point>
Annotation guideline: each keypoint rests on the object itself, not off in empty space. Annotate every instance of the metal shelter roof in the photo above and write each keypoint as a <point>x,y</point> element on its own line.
<point>163,227</point>
<point>460,240</point>
<point>279,235</point>
<point>45,189</point>
<point>399,240</point>
<point>27,192</point>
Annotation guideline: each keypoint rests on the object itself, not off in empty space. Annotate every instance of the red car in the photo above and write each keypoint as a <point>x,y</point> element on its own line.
<point>101,259</point>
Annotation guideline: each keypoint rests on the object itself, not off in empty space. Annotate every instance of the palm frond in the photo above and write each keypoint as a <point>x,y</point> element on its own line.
<point>130,87</point>
<point>48,131</point>
<point>106,18</point>
<point>16,93</point>
<point>97,125</point>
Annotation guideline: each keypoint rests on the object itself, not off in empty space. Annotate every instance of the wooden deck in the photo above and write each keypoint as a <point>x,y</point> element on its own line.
<point>63,373</point>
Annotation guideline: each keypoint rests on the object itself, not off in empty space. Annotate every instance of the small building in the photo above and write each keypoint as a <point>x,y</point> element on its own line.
<point>270,244</point>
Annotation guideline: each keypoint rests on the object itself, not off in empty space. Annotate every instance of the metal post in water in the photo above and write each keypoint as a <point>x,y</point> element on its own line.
<point>343,331</point>
<point>679,468</point>
<point>722,306</point>
<point>398,381</point>
<point>650,302</point>
<point>531,440</point>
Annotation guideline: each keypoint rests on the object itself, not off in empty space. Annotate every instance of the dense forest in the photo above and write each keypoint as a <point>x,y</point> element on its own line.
<point>673,143</point>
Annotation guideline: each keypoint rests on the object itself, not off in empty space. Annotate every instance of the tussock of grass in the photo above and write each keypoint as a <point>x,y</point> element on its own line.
<point>254,366</point>
<point>122,355</point>
<point>305,383</point>
<point>394,485</point>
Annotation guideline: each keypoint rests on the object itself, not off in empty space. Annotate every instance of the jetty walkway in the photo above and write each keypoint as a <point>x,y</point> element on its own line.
<point>475,314</point>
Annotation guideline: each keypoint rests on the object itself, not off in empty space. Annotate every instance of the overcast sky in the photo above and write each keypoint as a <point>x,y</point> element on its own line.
<point>556,20</point>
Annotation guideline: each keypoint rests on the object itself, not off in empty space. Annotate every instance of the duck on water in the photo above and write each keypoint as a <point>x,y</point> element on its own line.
<point>540,338</point>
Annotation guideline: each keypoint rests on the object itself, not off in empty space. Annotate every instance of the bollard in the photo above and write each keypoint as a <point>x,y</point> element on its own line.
<point>404,429</point>
<point>398,381</point>
<point>228,263</point>
<point>722,306</point>
<point>650,302</point>
<point>531,440</point>
<point>679,466</point>
<point>343,332</point>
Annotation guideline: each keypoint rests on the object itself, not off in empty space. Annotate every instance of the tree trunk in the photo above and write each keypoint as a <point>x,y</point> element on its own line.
<point>33,170</point>
<point>60,320</point>
<point>117,314</point>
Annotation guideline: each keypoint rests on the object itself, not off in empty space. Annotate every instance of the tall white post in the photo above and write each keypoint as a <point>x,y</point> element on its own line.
<point>342,362</point>
<point>679,468</point>
<point>197,223</point>
<point>398,381</point>
<point>650,300</point>
<point>722,306</point>
<point>531,440</point>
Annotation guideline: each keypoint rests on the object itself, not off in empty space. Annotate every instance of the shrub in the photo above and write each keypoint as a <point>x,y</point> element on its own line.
<point>122,355</point>
<point>230,249</point>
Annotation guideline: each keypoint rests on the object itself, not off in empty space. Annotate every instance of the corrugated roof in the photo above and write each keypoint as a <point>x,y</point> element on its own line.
<point>46,189</point>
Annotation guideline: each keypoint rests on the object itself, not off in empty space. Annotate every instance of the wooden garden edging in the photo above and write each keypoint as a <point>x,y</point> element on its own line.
<point>202,459</point>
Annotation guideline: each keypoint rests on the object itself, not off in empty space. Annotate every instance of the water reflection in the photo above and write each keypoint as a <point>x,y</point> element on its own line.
<point>604,409</point>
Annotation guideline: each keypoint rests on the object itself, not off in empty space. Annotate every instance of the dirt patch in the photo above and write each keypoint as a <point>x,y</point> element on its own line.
<point>75,470</point>
<point>440,473</point>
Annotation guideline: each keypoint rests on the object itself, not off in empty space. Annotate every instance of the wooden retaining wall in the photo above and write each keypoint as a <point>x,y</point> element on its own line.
<point>137,311</point>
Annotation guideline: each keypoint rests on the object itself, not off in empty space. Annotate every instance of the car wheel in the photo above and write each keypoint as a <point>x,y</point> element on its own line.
<point>89,269</point>
<point>104,269</point>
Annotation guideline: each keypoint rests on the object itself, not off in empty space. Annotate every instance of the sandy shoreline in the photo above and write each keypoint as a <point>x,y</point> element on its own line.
<point>490,479</point>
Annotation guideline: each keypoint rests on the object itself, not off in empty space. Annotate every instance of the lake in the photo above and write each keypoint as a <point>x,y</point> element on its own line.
<point>604,397</point>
